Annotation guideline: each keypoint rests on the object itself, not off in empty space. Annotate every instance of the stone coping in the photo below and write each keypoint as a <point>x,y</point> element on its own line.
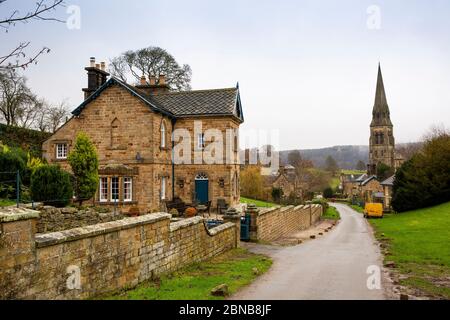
<point>299,207</point>
<point>286,208</point>
<point>11,214</point>
<point>174,226</point>
<point>268,210</point>
<point>220,228</point>
<point>49,239</point>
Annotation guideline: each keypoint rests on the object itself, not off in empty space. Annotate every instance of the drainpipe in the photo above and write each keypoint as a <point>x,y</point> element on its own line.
<point>173,121</point>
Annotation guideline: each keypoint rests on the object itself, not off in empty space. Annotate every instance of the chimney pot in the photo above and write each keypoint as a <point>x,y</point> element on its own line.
<point>162,80</point>
<point>103,65</point>
<point>92,62</point>
<point>97,65</point>
<point>152,80</point>
<point>143,80</point>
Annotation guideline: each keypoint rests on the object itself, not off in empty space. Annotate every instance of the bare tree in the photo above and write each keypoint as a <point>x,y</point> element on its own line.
<point>17,57</point>
<point>14,96</point>
<point>152,62</point>
<point>57,116</point>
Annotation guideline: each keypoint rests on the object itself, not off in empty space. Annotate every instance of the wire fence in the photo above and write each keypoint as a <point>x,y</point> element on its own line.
<point>12,189</point>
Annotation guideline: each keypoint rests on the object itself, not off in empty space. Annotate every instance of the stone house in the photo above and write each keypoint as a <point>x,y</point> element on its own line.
<point>288,181</point>
<point>387,193</point>
<point>132,128</point>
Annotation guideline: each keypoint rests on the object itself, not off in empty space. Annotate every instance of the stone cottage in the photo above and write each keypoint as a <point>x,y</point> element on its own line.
<point>141,166</point>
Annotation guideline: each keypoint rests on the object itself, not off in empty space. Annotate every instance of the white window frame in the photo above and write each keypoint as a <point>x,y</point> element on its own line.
<point>163,135</point>
<point>103,185</point>
<point>63,154</point>
<point>127,181</point>
<point>201,141</point>
<point>163,188</point>
<point>118,189</point>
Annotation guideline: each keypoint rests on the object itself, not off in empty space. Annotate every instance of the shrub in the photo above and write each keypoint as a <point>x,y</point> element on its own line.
<point>84,162</point>
<point>51,185</point>
<point>328,193</point>
<point>277,194</point>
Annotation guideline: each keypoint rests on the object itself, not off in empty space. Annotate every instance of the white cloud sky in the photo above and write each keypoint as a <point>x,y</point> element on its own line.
<point>305,68</point>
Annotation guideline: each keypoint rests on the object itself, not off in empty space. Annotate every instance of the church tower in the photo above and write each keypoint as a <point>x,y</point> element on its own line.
<point>382,143</point>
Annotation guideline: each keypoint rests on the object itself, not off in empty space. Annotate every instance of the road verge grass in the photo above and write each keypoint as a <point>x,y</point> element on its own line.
<point>236,268</point>
<point>418,243</point>
<point>331,213</point>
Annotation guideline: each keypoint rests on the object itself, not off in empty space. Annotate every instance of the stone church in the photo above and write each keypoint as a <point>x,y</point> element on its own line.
<point>131,127</point>
<point>382,141</point>
<point>368,186</point>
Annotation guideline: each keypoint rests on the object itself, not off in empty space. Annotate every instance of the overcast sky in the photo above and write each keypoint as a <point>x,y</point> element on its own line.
<point>305,68</point>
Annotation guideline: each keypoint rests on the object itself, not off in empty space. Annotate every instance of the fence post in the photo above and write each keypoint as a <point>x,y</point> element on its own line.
<point>18,187</point>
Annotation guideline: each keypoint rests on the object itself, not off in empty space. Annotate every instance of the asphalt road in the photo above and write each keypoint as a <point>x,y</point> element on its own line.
<point>332,267</point>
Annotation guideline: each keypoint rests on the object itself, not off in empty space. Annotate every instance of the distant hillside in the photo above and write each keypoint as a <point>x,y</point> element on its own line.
<point>29,140</point>
<point>346,156</point>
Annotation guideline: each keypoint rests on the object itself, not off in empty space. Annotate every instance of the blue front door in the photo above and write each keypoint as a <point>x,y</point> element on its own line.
<point>201,191</point>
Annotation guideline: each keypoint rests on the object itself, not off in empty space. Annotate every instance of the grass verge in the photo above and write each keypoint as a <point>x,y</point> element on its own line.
<point>6,203</point>
<point>234,268</point>
<point>357,208</point>
<point>418,243</point>
<point>331,213</point>
<point>258,203</point>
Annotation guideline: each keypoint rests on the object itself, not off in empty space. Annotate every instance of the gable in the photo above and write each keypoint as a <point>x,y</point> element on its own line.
<point>114,81</point>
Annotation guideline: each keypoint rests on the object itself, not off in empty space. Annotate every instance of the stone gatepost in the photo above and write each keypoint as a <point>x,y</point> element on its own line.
<point>17,250</point>
<point>253,211</point>
<point>231,215</point>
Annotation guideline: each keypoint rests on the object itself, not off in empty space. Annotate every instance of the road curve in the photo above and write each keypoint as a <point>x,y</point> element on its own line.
<point>332,267</point>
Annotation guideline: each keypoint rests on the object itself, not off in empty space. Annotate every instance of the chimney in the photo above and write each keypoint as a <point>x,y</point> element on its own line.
<point>162,80</point>
<point>152,87</point>
<point>97,76</point>
<point>143,80</point>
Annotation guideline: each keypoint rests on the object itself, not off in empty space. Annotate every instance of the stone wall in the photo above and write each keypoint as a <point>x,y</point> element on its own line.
<point>57,219</point>
<point>90,261</point>
<point>274,223</point>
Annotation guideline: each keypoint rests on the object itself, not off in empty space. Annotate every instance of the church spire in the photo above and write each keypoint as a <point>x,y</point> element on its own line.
<point>381,114</point>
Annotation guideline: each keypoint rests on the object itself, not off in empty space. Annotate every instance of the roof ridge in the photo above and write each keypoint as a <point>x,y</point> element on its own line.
<point>194,91</point>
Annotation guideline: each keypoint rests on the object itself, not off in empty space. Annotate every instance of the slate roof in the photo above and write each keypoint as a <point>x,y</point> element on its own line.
<point>215,102</point>
<point>368,180</point>
<point>389,181</point>
<point>200,102</point>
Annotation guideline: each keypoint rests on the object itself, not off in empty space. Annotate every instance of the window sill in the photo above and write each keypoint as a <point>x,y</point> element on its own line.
<point>109,203</point>
<point>164,148</point>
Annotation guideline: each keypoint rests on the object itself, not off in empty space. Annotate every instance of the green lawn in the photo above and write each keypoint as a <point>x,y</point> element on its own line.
<point>6,202</point>
<point>235,268</point>
<point>419,243</point>
<point>331,213</point>
<point>258,203</point>
<point>357,208</point>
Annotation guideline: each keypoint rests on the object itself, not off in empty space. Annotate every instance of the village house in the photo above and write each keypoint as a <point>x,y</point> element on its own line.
<point>288,181</point>
<point>131,127</point>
